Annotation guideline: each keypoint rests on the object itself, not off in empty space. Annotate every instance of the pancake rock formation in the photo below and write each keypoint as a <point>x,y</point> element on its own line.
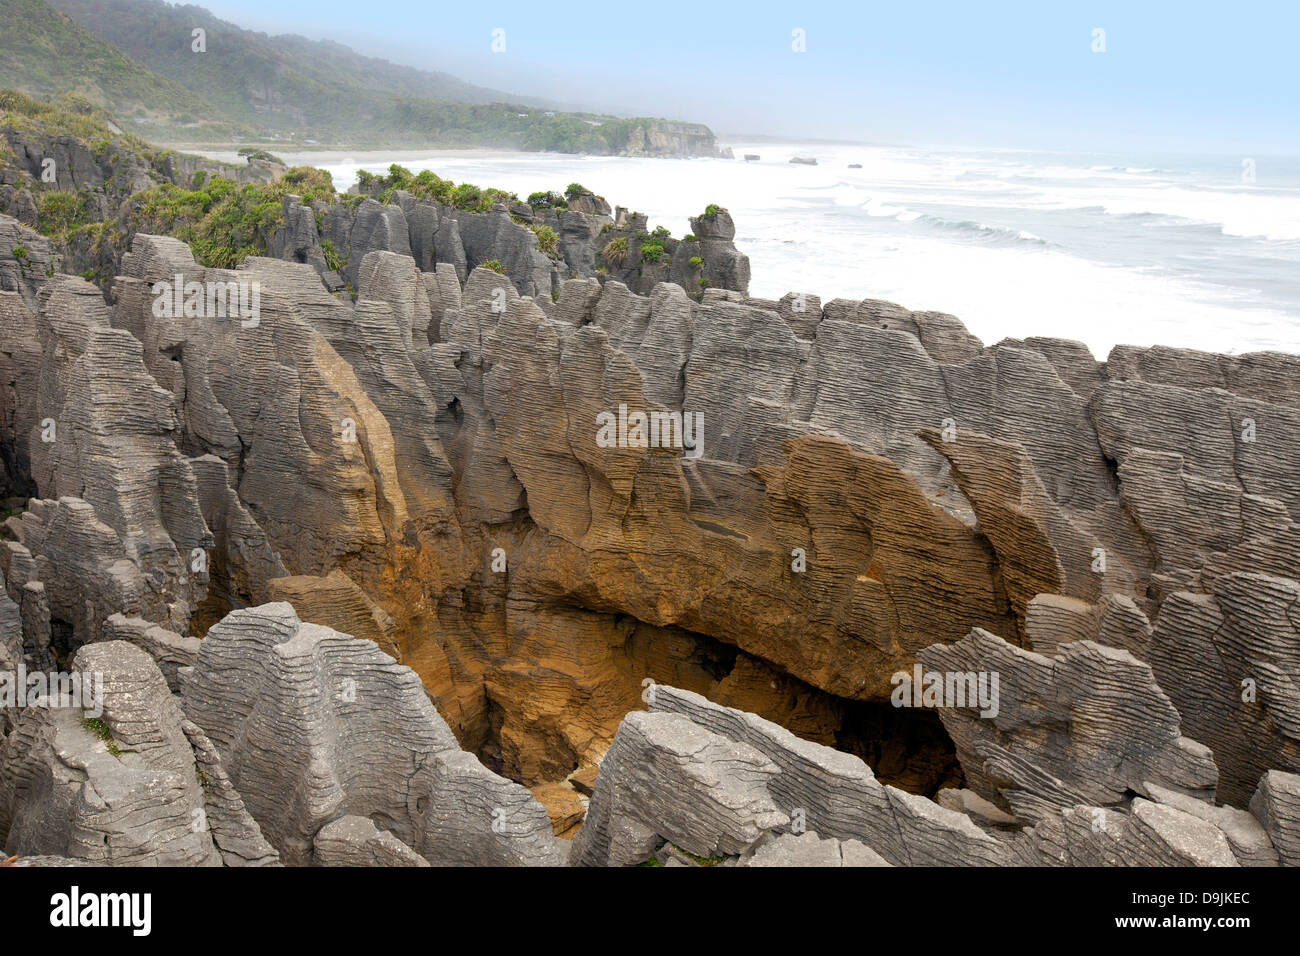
<point>572,566</point>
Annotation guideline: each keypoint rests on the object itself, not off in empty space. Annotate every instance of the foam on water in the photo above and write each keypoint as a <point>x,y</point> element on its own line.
<point>1134,249</point>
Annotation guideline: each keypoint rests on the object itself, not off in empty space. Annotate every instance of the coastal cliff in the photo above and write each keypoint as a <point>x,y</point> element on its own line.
<point>543,629</point>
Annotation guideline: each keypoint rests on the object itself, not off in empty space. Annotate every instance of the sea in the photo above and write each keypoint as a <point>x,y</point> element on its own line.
<point>1190,251</point>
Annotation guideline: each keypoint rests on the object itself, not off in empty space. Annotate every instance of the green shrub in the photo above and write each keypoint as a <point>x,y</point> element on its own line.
<point>466,196</point>
<point>58,213</point>
<point>696,262</point>
<point>100,730</point>
<point>331,257</point>
<point>615,251</point>
<point>547,200</point>
<point>494,265</point>
<point>574,190</point>
<point>224,222</point>
<point>652,251</point>
<point>310,183</point>
<point>547,239</point>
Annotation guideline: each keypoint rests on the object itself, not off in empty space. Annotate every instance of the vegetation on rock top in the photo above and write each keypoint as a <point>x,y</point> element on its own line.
<point>224,222</point>
<point>428,185</point>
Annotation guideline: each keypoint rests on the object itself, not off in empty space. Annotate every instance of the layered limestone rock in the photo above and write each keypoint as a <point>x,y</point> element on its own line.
<point>1151,835</point>
<point>538,506</point>
<point>724,266</point>
<point>12,653</point>
<point>105,437</point>
<point>313,725</point>
<point>1084,727</point>
<point>110,780</point>
<point>1276,804</point>
<point>430,234</point>
<point>355,841</point>
<point>808,849</point>
<point>27,262</point>
<point>234,831</point>
<point>836,795</point>
<point>169,650</point>
<point>1231,662</point>
<point>1251,844</point>
<point>667,779</point>
<point>1210,470</point>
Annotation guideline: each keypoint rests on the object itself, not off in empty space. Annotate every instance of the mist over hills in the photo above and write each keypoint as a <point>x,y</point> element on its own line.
<point>143,61</point>
<point>44,52</point>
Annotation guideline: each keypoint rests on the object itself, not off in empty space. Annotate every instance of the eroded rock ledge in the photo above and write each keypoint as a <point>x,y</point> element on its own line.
<point>418,475</point>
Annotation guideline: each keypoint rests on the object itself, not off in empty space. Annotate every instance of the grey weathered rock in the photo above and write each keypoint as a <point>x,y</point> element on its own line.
<point>12,653</point>
<point>1054,619</point>
<point>1152,834</point>
<point>974,806</point>
<point>1083,727</point>
<point>234,831</point>
<point>808,849</point>
<point>366,460</point>
<point>1211,475</point>
<point>274,401</point>
<point>298,240</point>
<point>443,289</point>
<point>131,798</point>
<point>836,795</point>
<point>665,778</point>
<point>20,368</point>
<point>356,841</point>
<point>376,228</point>
<point>84,572</point>
<point>1249,842</point>
<point>169,650</point>
<point>1276,804</point>
<point>312,725</point>
<point>96,399</point>
<point>495,236</point>
<point>724,266</point>
<point>1230,661</point>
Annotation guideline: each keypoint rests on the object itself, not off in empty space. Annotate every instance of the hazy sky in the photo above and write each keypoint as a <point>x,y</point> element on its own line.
<point>1189,75</point>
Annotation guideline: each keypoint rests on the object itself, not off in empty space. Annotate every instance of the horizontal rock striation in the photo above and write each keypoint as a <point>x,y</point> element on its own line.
<point>1084,727</point>
<point>290,742</point>
<point>117,789</point>
<point>313,725</point>
<point>837,796</point>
